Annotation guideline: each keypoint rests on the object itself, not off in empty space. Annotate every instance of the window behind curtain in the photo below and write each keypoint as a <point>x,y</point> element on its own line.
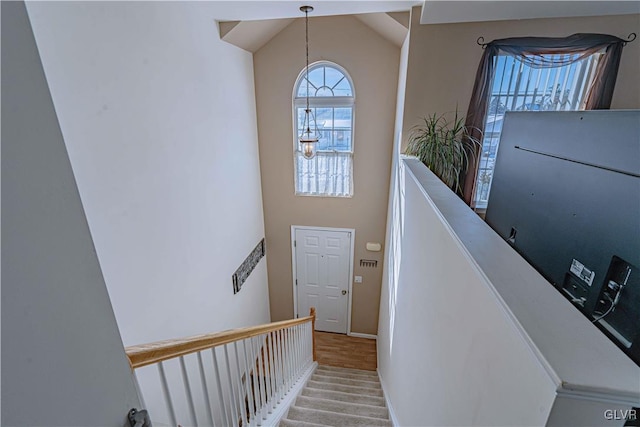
<point>518,86</point>
<point>331,97</point>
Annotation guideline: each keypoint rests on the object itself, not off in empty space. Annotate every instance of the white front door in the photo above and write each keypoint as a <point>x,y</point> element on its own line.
<point>323,260</point>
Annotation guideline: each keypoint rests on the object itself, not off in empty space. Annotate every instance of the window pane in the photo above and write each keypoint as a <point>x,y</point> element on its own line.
<point>343,88</point>
<point>342,129</point>
<point>332,76</point>
<point>316,78</point>
<point>518,87</point>
<point>302,89</point>
<point>324,81</point>
<point>324,118</point>
<point>324,91</point>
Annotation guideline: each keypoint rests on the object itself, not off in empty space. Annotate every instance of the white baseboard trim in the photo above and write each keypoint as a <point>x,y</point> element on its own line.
<point>392,414</point>
<point>273,419</point>
<point>359,335</point>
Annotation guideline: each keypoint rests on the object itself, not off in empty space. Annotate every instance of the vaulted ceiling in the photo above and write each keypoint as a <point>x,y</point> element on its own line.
<point>251,24</point>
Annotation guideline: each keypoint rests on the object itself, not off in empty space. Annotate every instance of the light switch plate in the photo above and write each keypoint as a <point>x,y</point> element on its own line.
<point>358,279</point>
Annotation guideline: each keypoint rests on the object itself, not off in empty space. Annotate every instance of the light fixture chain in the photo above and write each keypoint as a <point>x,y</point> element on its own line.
<point>306,24</point>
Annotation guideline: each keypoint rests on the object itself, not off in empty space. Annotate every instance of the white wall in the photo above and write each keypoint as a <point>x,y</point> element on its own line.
<point>63,363</point>
<point>392,254</point>
<point>447,356</point>
<point>159,119</point>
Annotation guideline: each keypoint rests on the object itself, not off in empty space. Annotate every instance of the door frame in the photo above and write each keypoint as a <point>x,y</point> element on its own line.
<point>351,260</point>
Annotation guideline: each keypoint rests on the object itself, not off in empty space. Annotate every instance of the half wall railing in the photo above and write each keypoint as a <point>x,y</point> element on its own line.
<point>239,377</point>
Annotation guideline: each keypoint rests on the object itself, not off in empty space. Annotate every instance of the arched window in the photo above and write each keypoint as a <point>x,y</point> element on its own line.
<point>332,99</point>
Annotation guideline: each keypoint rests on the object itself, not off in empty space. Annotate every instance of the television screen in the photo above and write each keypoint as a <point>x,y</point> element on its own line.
<point>565,194</point>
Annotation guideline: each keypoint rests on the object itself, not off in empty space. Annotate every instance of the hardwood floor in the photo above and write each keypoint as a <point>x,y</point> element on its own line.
<point>345,351</point>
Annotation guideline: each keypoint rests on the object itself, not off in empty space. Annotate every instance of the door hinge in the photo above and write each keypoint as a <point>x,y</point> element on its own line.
<point>296,282</point>
<point>295,243</point>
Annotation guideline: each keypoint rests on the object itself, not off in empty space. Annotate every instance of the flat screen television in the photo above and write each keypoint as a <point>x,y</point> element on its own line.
<point>566,195</point>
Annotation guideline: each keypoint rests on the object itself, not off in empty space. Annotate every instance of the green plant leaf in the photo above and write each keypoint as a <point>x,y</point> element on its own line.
<point>444,145</point>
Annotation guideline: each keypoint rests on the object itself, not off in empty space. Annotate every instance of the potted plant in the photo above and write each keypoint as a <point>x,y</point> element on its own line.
<point>444,145</point>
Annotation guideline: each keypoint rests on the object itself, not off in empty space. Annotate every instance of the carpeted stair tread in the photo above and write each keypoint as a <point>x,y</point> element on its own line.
<point>338,374</point>
<point>344,388</point>
<point>296,423</point>
<point>346,381</point>
<point>373,374</point>
<point>339,397</point>
<point>343,407</point>
<point>332,418</point>
<point>343,397</point>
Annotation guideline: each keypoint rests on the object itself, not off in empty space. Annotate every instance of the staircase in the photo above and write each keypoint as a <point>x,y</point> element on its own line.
<point>339,397</point>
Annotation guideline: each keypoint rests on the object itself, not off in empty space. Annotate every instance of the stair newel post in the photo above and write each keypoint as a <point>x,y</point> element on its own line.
<point>313,331</point>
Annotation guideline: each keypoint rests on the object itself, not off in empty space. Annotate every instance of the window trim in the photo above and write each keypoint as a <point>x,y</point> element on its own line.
<point>323,102</point>
<point>318,64</point>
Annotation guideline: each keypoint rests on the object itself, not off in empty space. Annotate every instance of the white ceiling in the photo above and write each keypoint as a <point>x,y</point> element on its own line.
<point>442,11</point>
<point>241,10</point>
<point>249,24</point>
<point>452,11</point>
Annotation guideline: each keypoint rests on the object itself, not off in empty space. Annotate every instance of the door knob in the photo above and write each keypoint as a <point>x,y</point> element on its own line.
<point>344,292</point>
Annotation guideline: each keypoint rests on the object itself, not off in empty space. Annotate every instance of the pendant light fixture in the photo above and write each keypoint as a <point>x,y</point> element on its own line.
<point>309,134</point>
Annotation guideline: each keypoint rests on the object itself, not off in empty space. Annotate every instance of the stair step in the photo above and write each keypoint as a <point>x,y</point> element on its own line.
<point>332,418</point>
<point>346,381</point>
<point>338,374</point>
<point>342,407</point>
<point>348,370</point>
<point>343,397</point>
<point>344,388</point>
<point>296,423</point>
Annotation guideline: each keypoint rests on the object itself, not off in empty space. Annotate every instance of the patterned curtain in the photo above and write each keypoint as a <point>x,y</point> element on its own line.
<point>329,174</point>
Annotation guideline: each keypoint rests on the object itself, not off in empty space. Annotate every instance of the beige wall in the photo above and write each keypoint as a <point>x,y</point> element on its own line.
<point>372,63</point>
<point>444,58</point>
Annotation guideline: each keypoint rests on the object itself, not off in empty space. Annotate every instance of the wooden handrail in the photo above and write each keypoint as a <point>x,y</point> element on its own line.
<point>159,351</point>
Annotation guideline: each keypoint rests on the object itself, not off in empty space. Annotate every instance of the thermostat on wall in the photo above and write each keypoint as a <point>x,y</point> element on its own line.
<point>373,247</point>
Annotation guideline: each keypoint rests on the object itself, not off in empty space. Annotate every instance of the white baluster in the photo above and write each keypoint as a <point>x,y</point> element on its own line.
<point>285,361</point>
<point>263,398</point>
<point>267,370</point>
<point>138,389</point>
<point>187,391</point>
<point>303,344</point>
<point>205,390</point>
<point>296,363</point>
<point>234,411</point>
<point>280,364</point>
<point>310,342</point>
<point>298,352</point>
<point>289,359</point>
<point>294,353</point>
<point>243,409</point>
<point>301,347</point>
<point>167,395</point>
<point>272,370</point>
<point>256,380</point>
<point>249,385</point>
<point>223,406</point>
